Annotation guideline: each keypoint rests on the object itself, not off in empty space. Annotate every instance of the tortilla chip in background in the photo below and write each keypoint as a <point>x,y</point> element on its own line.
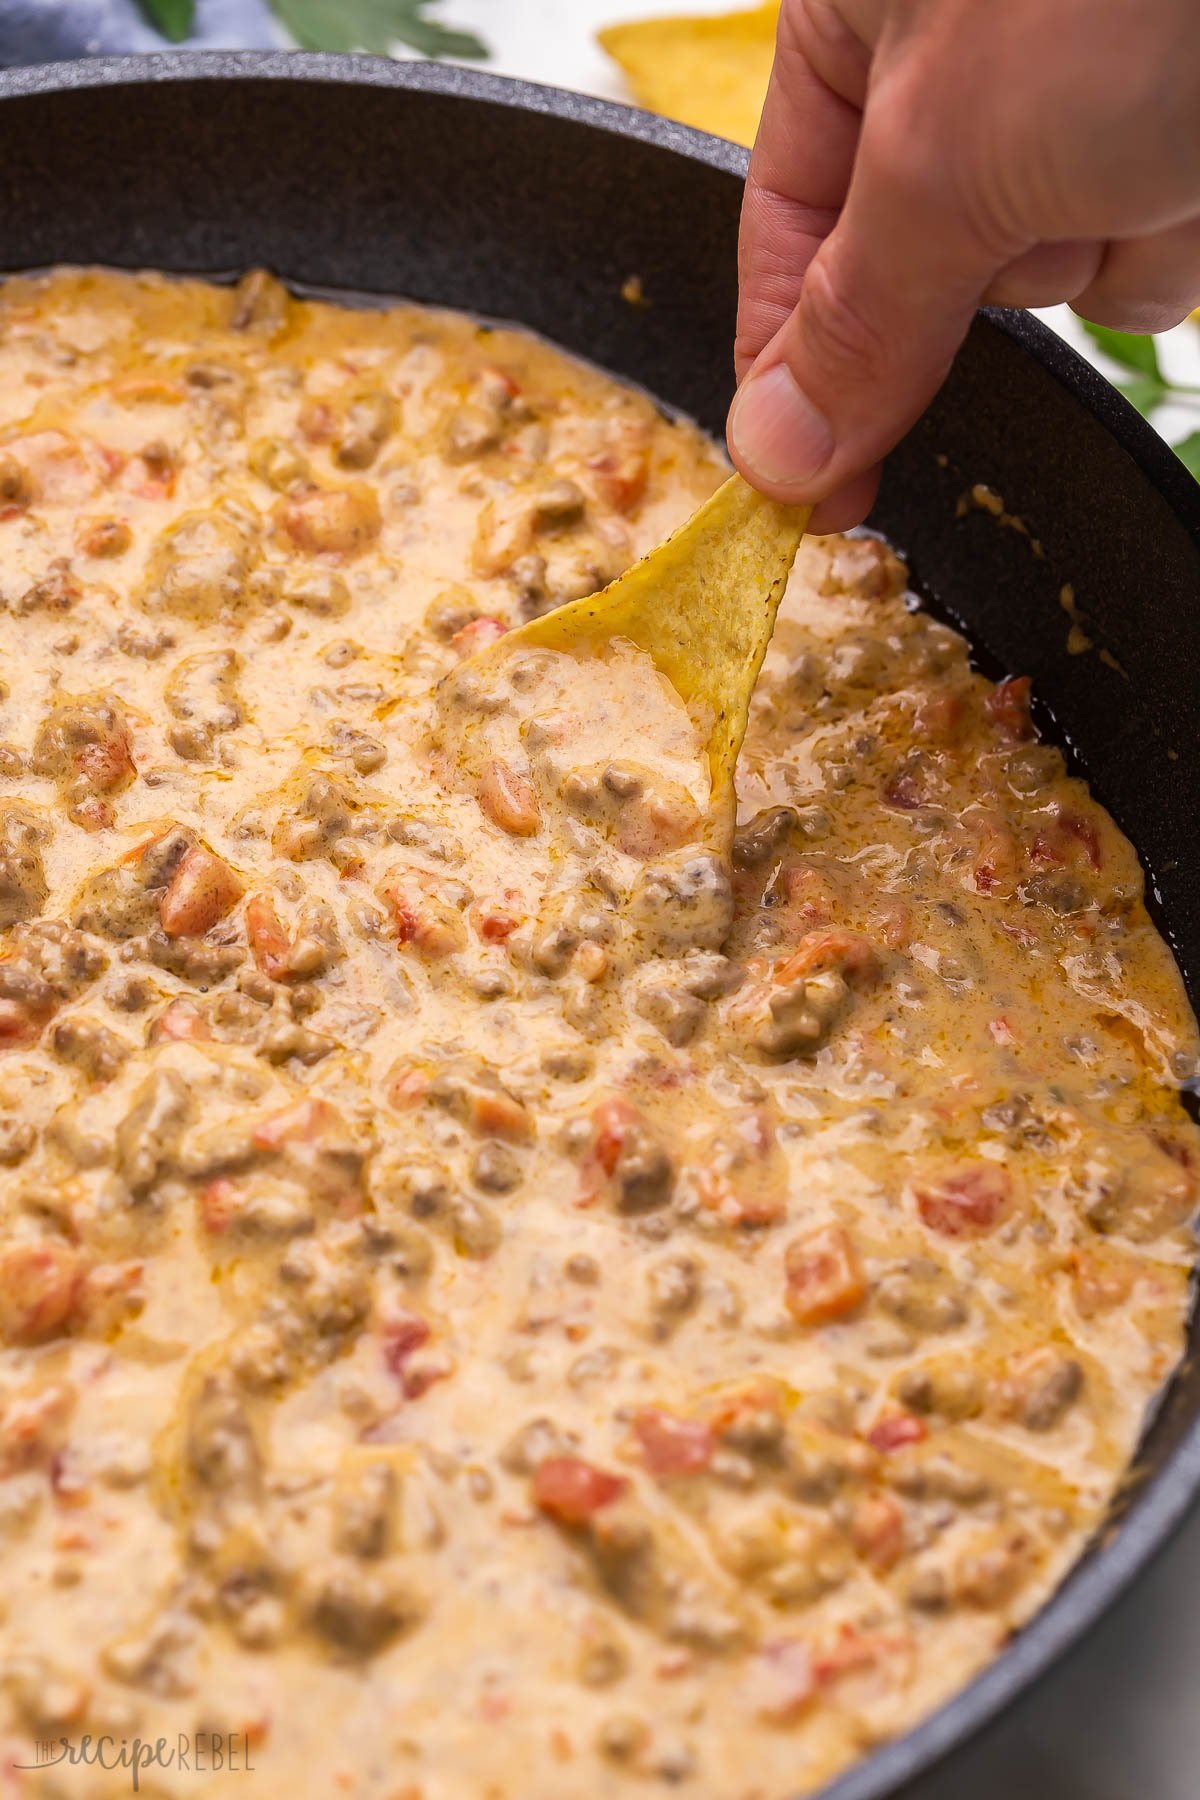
<point>709,71</point>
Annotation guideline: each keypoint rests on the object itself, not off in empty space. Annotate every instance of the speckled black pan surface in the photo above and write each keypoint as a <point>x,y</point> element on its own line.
<point>533,205</point>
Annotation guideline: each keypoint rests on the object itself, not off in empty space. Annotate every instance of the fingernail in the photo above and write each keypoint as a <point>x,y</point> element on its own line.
<point>776,431</point>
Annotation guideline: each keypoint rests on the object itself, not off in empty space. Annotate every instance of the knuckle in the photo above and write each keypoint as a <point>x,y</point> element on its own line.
<point>760,316</point>
<point>745,348</point>
<point>955,167</point>
<point>841,334</point>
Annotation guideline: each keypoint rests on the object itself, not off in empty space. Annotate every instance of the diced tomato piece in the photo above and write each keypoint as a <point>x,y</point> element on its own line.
<point>613,1119</point>
<point>939,716</point>
<point>1007,706</point>
<point>155,487</point>
<point>106,766</point>
<point>495,926</point>
<point>508,799</point>
<point>749,1204</point>
<point>269,942</point>
<point>317,421</point>
<point>902,794</point>
<point>182,1023</point>
<point>495,387</point>
<point>20,1023</point>
<point>850,1651</point>
<point>33,1424</point>
<point>201,891</point>
<point>670,1445</point>
<point>478,635</point>
<point>664,818</point>
<point>408,1085</point>
<point>408,918</point>
<point>744,1179</point>
<point>330,521</point>
<point>895,1430</point>
<point>1068,834</point>
<point>300,1123</point>
<point>620,476</point>
<point>420,1378</point>
<point>496,1113</point>
<point>877,1530</point>
<point>93,814</point>
<point>1000,857</point>
<point>851,954</point>
<point>136,852</point>
<point>220,1204</point>
<point>430,926</point>
<point>764,1395</point>
<point>403,1334</point>
<point>40,1287</point>
<point>810,897</point>
<point>782,1681</point>
<point>573,1491</point>
<point>111,460</point>
<point>825,1278</point>
<point>966,1202</point>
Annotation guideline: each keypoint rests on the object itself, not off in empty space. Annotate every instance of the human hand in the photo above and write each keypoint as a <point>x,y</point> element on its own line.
<point>919,158</point>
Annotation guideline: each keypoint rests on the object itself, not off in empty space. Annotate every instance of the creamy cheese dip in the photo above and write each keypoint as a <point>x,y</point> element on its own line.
<point>505,1293</point>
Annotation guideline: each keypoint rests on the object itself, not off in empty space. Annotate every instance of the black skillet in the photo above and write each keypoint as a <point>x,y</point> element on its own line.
<point>528,204</point>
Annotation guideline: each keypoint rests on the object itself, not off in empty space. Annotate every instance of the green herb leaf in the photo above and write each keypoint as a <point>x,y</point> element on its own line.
<point>174,18</point>
<point>1189,452</point>
<point>1126,348</point>
<point>374,25</point>
<point>1145,392</point>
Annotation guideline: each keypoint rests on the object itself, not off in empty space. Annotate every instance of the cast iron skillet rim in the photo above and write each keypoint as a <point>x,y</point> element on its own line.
<point>451,79</point>
<point>1155,1516</point>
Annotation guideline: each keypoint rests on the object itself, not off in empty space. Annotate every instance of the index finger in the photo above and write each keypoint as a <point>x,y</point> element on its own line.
<point>799,174</point>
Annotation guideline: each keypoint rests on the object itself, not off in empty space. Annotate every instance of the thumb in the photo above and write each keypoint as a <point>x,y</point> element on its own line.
<point>885,303</point>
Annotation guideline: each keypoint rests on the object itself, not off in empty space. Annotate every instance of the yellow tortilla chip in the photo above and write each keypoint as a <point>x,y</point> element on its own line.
<point>710,71</point>
<point>702,606</point>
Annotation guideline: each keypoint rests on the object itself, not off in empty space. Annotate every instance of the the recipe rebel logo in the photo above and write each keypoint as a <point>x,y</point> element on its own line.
<point>200,1753</point>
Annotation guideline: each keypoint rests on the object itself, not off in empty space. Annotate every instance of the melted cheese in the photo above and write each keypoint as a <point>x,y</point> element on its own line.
<point>500,1295</point>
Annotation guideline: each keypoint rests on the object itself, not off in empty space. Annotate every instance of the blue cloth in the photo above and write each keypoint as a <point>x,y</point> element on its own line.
<point>35,31</point>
